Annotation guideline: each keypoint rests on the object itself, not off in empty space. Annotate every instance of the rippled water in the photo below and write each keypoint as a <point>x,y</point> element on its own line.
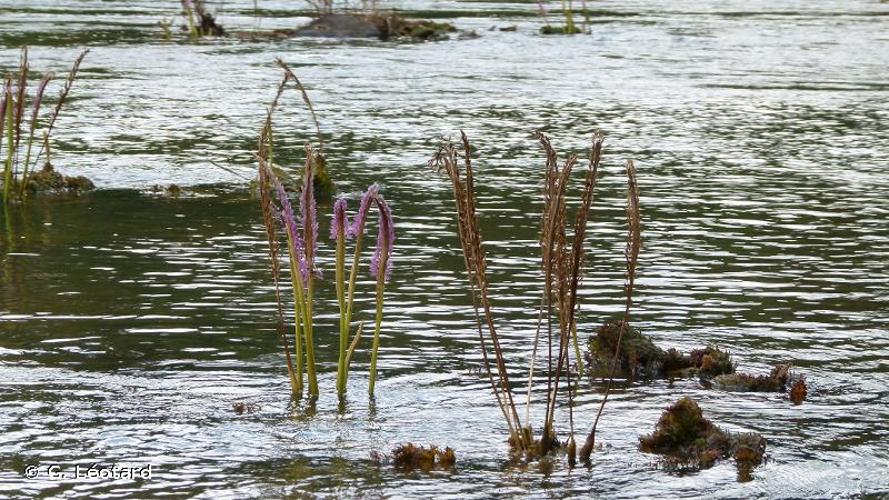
<point>131,323</point>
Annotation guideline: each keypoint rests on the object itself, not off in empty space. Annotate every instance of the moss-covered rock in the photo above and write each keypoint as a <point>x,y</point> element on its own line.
<point>381,26</point>
<point>686,439</point>
<point>640,357</point>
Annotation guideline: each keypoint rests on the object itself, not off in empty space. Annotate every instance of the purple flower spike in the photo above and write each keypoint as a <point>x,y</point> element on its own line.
<point>287,217</point>
<point>309,216</point>
<point>340,220</point>
<point>357,226</point>
<point>386,235</point>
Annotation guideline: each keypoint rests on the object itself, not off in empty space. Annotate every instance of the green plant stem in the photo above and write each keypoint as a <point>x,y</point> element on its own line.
<point>353,275</point>
<point>25,172</point>
<point>296,282</point>
<point>10,149</point>
<point>310,345</point>
<point>192,28</point>
<point>341,299</point>
<point>381,285</point>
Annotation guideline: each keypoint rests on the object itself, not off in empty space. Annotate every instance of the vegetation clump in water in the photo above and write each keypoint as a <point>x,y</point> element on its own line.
<point>638,356</point>
<point>688,440</point>
<point>300,227</point>
<point>47,180</point>
<point>777,380</point>
<point>411,457</point>
<point>17,136</point>
<point>201,23</point>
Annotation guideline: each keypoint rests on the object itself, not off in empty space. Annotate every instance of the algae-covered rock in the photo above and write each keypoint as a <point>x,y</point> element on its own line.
<point>688,440</point>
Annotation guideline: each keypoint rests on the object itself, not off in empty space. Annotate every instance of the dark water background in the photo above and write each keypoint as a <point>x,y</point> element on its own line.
<point>130,323</point>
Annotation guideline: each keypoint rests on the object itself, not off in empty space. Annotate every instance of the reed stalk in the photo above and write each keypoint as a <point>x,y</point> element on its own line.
<point>562,266</point>
<point>10,146</point>
<point>631,255</point>
<point>63,96</point>
<point>463,184</point>
<point>264,155</point>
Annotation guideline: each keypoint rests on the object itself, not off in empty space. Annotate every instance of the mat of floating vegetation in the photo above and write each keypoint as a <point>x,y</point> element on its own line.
<point>383,27</point>
<point>640,357</point>
<point>687,440</point>
<point>408,456</point>
<point>48,181</point>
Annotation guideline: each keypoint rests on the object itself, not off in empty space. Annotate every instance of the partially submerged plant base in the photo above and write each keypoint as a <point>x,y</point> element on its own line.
<point>49,181</point>
<point>687,440</point>
<point>638,356</point>
<point>408,456</point>
<point>535,448</point>
<point>559,30</point>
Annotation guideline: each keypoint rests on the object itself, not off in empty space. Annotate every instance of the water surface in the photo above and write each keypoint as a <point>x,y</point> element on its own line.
<point>130,323</point>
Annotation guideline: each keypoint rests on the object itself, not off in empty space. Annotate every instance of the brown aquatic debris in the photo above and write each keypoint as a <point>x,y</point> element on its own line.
<point>799,391</point>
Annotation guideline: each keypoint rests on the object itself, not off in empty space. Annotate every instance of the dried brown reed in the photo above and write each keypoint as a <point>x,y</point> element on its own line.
<point>447,159</point>
<point>264,155</point>
<point>631,255</point>
<point>561,265</point>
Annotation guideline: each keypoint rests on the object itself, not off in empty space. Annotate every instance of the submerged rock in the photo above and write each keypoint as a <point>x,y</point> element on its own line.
<point>48,180</point>
<point>688,440</point>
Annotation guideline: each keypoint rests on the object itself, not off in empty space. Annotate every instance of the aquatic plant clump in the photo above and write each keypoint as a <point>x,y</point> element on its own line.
<point>688,440</point>
<point>562,262</point>
<point>409,457</point>
<point>200,22</point>
<point>778,380</point>
<point>302,235</point>
<point>17,136</point>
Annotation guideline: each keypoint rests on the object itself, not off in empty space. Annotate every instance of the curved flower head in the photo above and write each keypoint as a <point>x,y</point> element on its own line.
<point>340,223</point>
<point>308,211</point>
<point>289,221</point>
<point>357,226</point>
<point>385,239</point>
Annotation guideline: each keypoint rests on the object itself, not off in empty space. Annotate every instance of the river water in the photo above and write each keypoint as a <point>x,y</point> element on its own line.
<point>131,323</point>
